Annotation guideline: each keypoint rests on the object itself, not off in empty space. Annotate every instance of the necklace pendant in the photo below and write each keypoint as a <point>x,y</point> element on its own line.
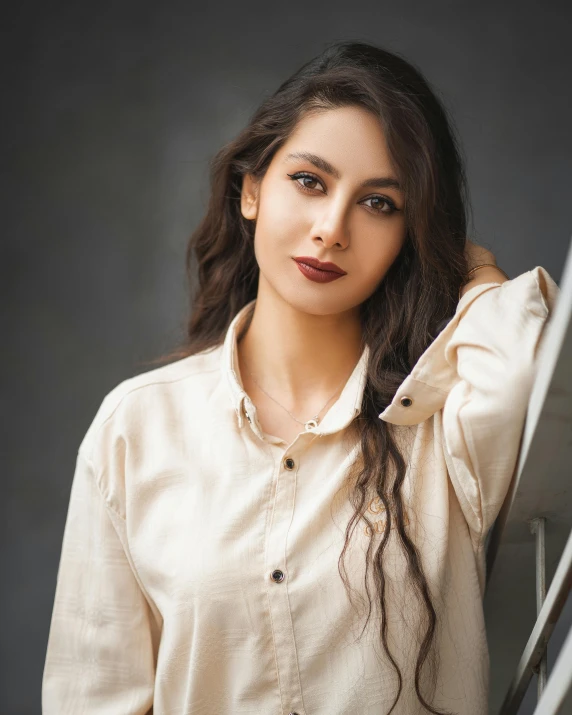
<point>310,424</point>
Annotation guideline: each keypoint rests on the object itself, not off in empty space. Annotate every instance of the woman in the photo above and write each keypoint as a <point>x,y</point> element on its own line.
<point>290,516</point>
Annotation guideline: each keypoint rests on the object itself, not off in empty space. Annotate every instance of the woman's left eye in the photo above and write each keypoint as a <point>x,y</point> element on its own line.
<point>377,209</point>
<point>383,200</point>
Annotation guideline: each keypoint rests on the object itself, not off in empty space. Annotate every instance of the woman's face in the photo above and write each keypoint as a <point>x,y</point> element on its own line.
<point>318,204</point>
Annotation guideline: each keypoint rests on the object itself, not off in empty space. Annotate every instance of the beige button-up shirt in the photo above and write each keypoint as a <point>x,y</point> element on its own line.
<point>199,565</point>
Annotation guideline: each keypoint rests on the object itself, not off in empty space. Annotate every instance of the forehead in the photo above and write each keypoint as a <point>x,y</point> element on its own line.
<point>352,139</point>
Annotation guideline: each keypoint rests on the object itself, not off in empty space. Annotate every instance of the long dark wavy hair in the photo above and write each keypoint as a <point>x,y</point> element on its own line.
<point>402,317</point>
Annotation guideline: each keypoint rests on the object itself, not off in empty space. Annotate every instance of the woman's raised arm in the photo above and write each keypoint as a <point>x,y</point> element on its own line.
<point>493,348</point>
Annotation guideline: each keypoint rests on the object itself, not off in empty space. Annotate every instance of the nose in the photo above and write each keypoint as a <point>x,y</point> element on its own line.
<point>331,228</point>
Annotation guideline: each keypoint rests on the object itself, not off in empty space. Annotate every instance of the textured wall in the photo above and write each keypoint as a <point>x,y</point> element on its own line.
<point>111,112</point>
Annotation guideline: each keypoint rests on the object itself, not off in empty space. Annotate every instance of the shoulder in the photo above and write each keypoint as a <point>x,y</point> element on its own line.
<point>156,388</point>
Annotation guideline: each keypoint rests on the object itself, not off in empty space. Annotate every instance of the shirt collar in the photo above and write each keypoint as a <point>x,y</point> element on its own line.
<point>420,395</point>
<point>340,414</point>
<point>424,390</point>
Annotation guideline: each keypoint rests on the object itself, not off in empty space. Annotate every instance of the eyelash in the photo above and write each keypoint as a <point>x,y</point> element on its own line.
<point>305,174</point>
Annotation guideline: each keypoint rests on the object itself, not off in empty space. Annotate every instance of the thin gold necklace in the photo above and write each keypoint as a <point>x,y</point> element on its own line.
<point>309,424</point>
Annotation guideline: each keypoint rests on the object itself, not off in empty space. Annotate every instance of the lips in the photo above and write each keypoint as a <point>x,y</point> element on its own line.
<point>316,274</point>
<point>320,265</point>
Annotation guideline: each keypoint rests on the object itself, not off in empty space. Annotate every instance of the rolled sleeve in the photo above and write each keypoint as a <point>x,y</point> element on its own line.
<point>494,351</point>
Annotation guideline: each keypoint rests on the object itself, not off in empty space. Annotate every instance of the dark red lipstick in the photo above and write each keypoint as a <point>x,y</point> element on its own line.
<point>318,271</point>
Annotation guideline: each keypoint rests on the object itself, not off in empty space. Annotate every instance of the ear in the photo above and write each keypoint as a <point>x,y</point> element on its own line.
<point>249,197</point>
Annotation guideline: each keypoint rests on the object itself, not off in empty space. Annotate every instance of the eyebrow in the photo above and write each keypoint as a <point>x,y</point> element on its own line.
<point>319,162</point>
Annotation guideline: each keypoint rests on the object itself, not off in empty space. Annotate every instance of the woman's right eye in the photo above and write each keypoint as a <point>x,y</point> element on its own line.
<point>304,176</point>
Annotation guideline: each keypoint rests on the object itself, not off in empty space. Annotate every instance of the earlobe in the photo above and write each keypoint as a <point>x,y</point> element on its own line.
<point>249,196</point>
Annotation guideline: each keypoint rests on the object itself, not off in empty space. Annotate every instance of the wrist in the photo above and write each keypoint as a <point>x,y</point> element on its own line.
<point>488,274</point>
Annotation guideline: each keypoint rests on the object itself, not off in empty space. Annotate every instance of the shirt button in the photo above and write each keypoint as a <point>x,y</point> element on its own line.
<point>406,401</point>
<point>277,575</point>
<point>289,463</point>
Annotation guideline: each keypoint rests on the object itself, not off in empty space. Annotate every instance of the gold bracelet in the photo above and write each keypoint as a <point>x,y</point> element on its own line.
<point>477,267</point>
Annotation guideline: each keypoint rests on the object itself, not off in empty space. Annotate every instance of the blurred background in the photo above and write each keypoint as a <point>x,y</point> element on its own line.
<point>111,112</point>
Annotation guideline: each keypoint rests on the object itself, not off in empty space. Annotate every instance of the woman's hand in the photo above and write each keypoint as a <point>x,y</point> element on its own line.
<point>476,256</point>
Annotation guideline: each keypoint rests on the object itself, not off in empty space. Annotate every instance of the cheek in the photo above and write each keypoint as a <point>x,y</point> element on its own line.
<point>275,206</point>
<point>280,222</point>
<point>376,255</point>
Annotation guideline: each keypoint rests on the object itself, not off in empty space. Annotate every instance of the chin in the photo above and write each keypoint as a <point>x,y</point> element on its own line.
<point>333,303</point>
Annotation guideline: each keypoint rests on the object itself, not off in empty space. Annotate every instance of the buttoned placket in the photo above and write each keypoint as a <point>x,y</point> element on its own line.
<point>277,576</point>
<point>288,462</point>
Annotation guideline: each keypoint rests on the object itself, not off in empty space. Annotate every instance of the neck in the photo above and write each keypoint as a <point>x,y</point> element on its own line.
<point>298,358</point>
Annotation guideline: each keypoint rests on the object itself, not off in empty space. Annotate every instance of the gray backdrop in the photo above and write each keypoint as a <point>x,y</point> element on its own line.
<point>111,112</point>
